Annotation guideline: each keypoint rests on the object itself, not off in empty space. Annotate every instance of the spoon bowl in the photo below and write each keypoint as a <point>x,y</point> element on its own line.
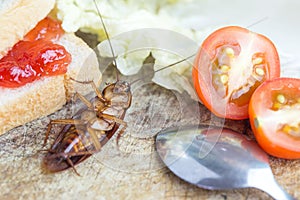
<point>215,158</point>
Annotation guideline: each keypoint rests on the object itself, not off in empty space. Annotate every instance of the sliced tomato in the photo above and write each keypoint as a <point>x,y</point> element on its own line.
<point>274,111</point>
<point>231,63</point>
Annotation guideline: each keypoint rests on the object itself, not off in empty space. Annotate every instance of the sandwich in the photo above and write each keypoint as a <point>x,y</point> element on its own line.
<point>38,61</point>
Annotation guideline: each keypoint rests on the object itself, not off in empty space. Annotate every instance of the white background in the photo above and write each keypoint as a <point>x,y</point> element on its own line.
<point>281,24</point>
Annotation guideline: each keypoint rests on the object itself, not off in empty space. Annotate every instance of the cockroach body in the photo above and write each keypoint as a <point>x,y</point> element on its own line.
<point>90,128</point>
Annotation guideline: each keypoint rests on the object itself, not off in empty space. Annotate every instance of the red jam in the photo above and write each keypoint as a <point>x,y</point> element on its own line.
<point>35,56</point>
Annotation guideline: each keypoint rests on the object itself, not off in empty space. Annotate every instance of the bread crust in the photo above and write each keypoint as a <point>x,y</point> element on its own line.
<point>18,17</point>
<point>45,96</point>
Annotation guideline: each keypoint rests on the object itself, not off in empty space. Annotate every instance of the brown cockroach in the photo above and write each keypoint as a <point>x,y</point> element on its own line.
<point>90,128</point>
<point>93,125</point>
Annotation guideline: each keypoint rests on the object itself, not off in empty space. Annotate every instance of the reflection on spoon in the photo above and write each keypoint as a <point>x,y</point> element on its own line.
<point>214,158</point>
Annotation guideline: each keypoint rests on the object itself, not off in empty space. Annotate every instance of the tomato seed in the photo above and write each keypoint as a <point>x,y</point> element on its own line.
<point>229,51</point>
<point>224,79</point>
<point>281,99</point>
<point>225,68</point>
<point>259,71</point>
<point>291,130</point>
<point>257,61</point>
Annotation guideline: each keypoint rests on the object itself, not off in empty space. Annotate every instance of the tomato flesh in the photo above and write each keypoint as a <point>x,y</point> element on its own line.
<point>274,116</point>
<point>35,56</point>
<point>231,63</point>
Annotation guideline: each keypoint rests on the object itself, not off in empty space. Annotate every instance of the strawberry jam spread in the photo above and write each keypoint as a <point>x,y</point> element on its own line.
<point>35,56</point>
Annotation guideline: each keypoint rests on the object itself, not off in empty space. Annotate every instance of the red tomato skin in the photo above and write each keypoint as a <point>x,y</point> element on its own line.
<point>277,144</point>
<point>218,38</point>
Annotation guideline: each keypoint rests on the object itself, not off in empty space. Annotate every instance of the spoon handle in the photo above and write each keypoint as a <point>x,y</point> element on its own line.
<point>275,190</point>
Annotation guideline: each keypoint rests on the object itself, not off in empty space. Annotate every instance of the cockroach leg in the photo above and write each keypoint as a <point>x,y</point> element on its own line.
<point>69,161</point>
<point>63,122</point>
<point>120,134</point>
<point>94,138</point>
<point>97,91</point>
<point>70,154</point>
<point>115,119</point>
<point>68,121</point>
<point>84,100</point>
<point>118,121</point>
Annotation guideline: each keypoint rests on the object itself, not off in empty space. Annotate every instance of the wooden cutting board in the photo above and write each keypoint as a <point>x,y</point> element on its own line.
<point>132,172</point>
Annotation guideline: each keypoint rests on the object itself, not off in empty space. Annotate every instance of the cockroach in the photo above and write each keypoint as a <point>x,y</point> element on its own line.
<point>90,128</point>
<point>93,125</point>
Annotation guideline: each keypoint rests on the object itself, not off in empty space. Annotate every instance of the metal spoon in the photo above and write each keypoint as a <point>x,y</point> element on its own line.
<point>214,158</point>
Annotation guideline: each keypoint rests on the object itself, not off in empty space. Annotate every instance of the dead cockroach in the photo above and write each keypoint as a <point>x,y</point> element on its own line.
<point>90,128</point>
<point>93,125</point>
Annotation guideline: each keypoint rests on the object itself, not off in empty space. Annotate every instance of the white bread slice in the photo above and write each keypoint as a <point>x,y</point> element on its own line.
<point>43,97</point>
<point>18,17</point>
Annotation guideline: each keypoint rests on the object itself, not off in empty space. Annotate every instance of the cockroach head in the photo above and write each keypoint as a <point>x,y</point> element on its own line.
<point>121,86</point>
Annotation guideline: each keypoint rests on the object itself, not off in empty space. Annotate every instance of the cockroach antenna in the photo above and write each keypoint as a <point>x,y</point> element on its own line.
<point>163,68</point>
<point>107,36</point>
<point>258,22</point>
<point>180,61</point>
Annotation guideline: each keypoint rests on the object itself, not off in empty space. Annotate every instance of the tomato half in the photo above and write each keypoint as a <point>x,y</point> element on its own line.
<point>274,111</point>
<point>231,63</point>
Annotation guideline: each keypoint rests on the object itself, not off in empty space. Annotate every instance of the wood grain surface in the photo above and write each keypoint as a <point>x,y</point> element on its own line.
<point>134,171</point>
